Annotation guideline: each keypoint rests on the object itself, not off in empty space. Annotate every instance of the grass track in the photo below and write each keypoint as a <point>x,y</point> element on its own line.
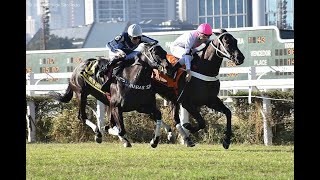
<point>111,161</point>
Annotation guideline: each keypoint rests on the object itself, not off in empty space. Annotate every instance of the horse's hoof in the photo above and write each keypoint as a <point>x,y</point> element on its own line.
<point>98,139</point>
<point>127,144</point>
<point>171,138</point>
<point>226,143</point>
<point>154,142</point>
<point>189,143</point>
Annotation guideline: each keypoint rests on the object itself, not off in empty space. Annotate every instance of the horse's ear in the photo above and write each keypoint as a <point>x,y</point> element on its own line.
<point>217,32</point>
<point>152,43</point>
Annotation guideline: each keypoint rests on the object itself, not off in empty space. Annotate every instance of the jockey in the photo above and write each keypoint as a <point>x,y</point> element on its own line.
<point>125,44</point>
<point>184,45</point>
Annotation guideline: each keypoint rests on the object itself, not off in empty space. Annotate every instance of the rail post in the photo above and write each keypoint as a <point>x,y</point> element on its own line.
<point>31,121</point>
<point>30,81</point>
<point>251,76</point>
<point>267,132</point>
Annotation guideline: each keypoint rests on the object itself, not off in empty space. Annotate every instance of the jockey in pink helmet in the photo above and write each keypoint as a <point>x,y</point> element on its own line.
<point>183,47</point>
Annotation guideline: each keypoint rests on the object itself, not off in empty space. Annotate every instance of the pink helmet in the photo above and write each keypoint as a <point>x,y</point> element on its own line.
<point>205,29</point>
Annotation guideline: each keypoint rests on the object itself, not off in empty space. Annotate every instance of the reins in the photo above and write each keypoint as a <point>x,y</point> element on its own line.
<point>152,59</point>
<point>181,92</point>
<point>147,53</point>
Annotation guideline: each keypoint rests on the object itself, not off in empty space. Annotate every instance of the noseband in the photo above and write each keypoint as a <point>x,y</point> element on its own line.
<point>224,52</point>
<point>152,59</point>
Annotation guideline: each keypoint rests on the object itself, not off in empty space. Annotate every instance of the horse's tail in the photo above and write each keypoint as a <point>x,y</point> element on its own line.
<point>62,98</point>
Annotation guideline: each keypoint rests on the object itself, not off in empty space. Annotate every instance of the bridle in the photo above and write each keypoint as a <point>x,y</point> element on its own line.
<point>154,61</point>
<point>224,51</point>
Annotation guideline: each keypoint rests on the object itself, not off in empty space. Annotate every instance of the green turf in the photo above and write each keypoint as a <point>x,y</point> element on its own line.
<point>167,161</point>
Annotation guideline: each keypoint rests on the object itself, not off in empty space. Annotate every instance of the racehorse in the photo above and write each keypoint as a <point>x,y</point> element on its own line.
<point>130,89</point>
<point>204,86</point>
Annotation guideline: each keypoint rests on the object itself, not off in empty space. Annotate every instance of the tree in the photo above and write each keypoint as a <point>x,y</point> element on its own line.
<point>53,42</point>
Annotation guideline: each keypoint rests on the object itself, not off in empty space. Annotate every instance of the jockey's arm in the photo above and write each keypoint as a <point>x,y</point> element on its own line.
<point>116,43</point>
<point>188,50</point>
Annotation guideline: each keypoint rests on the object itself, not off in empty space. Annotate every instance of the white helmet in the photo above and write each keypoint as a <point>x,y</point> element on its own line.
<point>134,30</point>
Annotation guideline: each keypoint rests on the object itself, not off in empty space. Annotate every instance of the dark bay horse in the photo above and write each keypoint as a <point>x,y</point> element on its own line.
<point>204,86</point>
<point>129,90</point>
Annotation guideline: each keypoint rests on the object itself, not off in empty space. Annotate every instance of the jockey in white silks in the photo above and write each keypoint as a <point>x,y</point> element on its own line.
<point>183,48</point>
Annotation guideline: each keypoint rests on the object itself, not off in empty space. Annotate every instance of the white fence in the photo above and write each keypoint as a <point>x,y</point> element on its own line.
<point>254,81</point>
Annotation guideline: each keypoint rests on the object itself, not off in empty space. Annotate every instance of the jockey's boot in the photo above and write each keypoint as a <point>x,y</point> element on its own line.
<point>173,72</point>
<point>106,85</point>
<point>114,70</point>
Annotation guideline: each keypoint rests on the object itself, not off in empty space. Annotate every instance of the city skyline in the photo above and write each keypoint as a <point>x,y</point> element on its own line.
<point>218,13</point>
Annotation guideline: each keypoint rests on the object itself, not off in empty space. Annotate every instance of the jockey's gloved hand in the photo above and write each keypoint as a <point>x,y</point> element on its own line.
<point>120,53</point>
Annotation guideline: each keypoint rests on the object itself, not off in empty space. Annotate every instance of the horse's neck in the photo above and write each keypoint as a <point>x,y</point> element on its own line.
<point>209,63</point>
<point>137,73</point>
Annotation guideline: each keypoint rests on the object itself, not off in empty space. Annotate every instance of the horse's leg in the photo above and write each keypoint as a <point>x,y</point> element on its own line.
<point>219,106</point>
<point>171,137</point>
<point>158,119</point>
<point>184,118</point>
<point>170,134</point>
<point>84,118</point>
<point>112,123</point>
<point>197,116</point>
<point>119,130</point>
<point>155,115</point>
<point>114,130</point>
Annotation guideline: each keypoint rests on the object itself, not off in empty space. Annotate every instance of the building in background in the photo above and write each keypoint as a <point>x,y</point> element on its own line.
<point>246,13</point>
<point>66,13</point>
<point>134,11</point>
<point>88,11</point>
<point>30,26</point>
<point>163,15</point>
<point>33,14</point>
<point>280,13</point>
<point>187,11</point>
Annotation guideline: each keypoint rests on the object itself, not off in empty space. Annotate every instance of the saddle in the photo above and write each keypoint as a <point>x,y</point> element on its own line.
<point>114,70</point>
<point>166,80</point>
<point>91,73</point>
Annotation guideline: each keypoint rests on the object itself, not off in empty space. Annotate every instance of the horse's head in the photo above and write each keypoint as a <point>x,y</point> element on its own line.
<point>155,55</point>
<point>226,46</point>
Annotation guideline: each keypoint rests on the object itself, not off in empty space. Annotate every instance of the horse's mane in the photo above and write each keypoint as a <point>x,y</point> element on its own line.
<point>202,51</point>
<point>217,33</point>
